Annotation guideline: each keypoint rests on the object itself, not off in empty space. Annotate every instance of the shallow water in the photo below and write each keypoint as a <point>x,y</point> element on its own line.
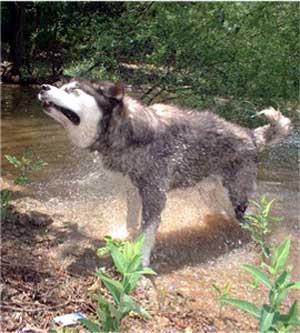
<point>74,183</point>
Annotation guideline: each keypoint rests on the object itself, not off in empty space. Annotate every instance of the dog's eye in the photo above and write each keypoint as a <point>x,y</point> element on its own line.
<point>72,90</point>
<point>76,92</point>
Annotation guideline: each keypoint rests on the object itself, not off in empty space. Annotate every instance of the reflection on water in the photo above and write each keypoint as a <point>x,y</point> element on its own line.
<point>75,178</point>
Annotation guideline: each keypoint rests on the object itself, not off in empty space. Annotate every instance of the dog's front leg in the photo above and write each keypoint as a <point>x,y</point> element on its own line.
<point>134,206</point>
<point>153,202</point>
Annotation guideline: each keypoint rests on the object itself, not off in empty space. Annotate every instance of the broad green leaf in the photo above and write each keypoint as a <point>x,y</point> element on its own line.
<point>282,280</point>
<point>130,281</point>
<point>258,274</point>
<point>293,312</point>
<point>263,200</point>
<point>270,268</point>
<point>102,251</point>
<point>115,312</point>
<point>251,217</point>
<point>128,251</point>
<point>129,303</point>
<point>139,244</point>
<point>147,271</point>
<point>266,319</point>
<point>279,297</point>
<point>254,203</point>
<point>110,324</point>
<point>268,207</point>
<point>244,305</point>
<point>90,325</point>
<point>22,180</point>
<point>114,287</point>
<point>280,254</point>
<point>14,161</point>
<point>294,285</point>
<point>136,263</point>
<point>292,317</point>
<point>118,258</point>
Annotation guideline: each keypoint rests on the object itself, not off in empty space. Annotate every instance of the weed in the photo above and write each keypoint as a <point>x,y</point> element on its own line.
<point>103,251</point>
<point>127,259</point>
<point>27,164</point>
<point>4,202</point>
<point>221,293</point>
<point>277,280</point>
<point>259,225</point>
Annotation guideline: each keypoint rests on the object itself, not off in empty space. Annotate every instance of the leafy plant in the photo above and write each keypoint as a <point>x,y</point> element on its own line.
<point>27,164</point>
<point>4,202</point>
<point>221,293</point>
<point>127,259</point>
<point>277,280</point>
<point>104,250</point>
<point>259,225</point>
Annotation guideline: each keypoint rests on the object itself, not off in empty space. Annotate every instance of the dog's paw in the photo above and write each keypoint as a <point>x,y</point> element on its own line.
<point>120,234</point>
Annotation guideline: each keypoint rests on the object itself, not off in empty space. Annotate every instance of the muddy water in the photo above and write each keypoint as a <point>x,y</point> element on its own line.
<point>91,202</point>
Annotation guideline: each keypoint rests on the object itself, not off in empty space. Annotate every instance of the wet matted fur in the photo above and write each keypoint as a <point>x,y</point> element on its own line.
<point>161,147</point>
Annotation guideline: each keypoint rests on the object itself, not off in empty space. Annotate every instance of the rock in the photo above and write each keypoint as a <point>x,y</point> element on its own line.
<point>7,292</point>
<point>40,219</point>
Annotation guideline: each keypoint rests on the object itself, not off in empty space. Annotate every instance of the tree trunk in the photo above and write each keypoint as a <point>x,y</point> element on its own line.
<point>16,40</point>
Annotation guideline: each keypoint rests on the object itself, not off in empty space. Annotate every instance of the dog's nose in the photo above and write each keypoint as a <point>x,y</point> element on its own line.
<point>45,87</point>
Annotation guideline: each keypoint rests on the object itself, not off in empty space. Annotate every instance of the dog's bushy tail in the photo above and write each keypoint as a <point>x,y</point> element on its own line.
<point>274,132</point>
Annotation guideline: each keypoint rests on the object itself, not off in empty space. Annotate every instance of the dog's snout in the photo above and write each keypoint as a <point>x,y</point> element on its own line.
<point>45,87</point>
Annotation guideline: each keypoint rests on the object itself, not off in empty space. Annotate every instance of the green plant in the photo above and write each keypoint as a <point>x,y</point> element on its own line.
<point>221,293</point>
<point>277,280</point>
<point>127,259</point>
<point>259,225</point>
<point>27,164</point>
<point>4,202</point>
<point>104,250</point>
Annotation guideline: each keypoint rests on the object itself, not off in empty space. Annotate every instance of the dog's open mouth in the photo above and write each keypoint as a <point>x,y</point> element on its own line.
<point>71,115</point>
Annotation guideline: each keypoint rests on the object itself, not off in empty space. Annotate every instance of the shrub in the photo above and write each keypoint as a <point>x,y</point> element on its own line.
<point>127,259</point>
<point>27,164</point>
<point>259,223</point>
<point>277,280</point>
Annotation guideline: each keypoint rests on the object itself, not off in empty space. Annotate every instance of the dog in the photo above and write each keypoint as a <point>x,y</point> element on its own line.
<point>161,147</point>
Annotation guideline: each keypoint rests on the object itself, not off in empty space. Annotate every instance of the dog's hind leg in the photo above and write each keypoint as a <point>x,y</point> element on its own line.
<point>214,197</point>
<point>240,186</point>
<point>153,202</point>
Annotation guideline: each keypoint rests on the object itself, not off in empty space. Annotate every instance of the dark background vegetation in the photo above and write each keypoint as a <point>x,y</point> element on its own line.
<point>239,55</point>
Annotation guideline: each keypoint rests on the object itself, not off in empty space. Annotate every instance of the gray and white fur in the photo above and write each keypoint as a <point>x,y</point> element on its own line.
<point>161,147</point>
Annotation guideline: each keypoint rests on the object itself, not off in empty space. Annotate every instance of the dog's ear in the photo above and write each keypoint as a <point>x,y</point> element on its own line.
<point>110,90</point>
<point>117,91</point>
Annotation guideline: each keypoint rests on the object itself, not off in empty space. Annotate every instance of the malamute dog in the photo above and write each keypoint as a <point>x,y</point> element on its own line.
<point>160,147</point>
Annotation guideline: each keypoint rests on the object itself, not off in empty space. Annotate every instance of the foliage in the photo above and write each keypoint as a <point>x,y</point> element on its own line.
<point>277,280</point>
<point>27,164</point>
<point>189,52</point>
<point>5,198</point>
<point>120,244</point>
<point>221,293</point>
<point>259,223</point>
<point>127,259</point>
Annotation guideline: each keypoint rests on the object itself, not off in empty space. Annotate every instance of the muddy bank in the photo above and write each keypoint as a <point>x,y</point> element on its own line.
<point>48,261</point>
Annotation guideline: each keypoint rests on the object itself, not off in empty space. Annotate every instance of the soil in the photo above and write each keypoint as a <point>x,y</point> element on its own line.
<point>48,267</point>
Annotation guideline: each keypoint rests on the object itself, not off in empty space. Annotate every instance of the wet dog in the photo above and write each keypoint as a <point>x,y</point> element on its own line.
<point>161,147</point>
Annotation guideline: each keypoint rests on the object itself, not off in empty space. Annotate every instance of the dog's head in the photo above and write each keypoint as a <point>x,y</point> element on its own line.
<point>80,105</point>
